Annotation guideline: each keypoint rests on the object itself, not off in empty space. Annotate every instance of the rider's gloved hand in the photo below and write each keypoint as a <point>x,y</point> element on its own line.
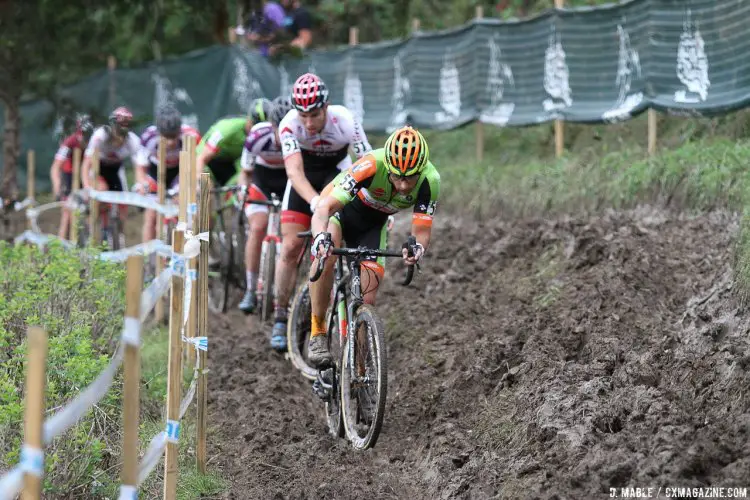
<point>314,203</point>
<point>412,253</point>
<point>321,245</point>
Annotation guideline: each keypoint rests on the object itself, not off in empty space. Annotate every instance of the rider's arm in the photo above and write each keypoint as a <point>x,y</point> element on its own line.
<point>95,143</point>
<point>207,150</point>
<point>360,146</point>
<point>247,162</point>
<point>295,170</point>
<point>424,209</point>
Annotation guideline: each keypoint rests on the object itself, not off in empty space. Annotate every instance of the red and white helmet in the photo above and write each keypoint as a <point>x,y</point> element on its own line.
<point>309,92</point>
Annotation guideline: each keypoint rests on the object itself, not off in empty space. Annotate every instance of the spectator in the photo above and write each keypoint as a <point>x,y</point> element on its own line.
<point>298,24</point>
<point>265,26</point>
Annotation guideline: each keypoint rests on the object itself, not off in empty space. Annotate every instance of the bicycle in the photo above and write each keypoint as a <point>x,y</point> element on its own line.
<point>299,325</point>
<point>226,248</point>
<point>269,254</point>
<point>343,385</point>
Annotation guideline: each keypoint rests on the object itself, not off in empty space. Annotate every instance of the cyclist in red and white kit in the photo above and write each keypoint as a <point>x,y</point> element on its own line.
<point>61,172</point>
<point>168,125</point>
<point>315,141</point>
<point>115,143</point>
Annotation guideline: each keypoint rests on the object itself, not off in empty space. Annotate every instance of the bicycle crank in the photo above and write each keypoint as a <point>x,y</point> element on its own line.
<point>323,386</point>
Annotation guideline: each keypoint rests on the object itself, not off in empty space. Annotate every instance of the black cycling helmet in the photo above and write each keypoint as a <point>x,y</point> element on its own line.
<point>260,110</point>
<point>85,127</point>
<point>281,106</point>
<point>169,121</point>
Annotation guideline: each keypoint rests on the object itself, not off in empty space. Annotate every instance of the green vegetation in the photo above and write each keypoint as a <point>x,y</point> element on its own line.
<point>79,301</point>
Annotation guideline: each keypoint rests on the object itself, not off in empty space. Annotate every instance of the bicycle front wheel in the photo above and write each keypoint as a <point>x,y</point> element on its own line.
<point>298,332</point>
<point>364,379</point>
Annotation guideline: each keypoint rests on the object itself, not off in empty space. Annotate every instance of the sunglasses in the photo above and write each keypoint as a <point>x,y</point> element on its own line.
<point>394,177</point>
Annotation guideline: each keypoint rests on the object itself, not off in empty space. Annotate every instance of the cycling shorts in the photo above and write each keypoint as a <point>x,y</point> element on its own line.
<point>364,226</point>
<point>173,177</point>
<point>66,185</point>
<point>113,176</point>
<point>222,170</point>
<point>266,181</point>
<point>294,209</point>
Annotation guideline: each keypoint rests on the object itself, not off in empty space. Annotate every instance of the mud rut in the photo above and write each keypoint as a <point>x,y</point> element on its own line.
<point>534,359</point>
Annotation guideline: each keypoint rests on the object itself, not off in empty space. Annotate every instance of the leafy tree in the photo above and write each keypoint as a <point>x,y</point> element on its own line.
<point>49,43</point>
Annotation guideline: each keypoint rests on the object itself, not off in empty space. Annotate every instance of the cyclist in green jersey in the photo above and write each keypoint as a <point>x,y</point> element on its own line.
<point>355,207</point>
<point>220,150</point>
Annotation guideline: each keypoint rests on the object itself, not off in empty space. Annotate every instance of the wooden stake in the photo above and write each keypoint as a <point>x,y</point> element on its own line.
<point>94,204</point>
<point>34,420</point>
<point>30,172</point>
<point>161,178</point>
<point>415,24</point>
<point>132,375</point>
<point>478,125</point>
<point>75,214</point>
<point>192,182</point>
<point>559,130</point>
<point>652,130</point>
<point>353,35</point>
<point>174,373</point>
<point>203,212</point>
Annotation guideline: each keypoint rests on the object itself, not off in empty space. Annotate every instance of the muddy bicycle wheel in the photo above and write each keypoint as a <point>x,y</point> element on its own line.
<point>218,285</point>
<point>298,332</point>
<point>364,380</point>
<point>239,239</point>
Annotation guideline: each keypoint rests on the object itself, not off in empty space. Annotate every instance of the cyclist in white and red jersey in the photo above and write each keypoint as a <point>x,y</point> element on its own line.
<point>315,140</point>
<point>263,162</point>
<point>168,125</point>
<point>61,172</point>
<point>115,143</point>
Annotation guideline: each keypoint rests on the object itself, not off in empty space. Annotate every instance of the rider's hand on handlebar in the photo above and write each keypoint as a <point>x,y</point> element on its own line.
<point>412,253</point>
<point>322,245</point>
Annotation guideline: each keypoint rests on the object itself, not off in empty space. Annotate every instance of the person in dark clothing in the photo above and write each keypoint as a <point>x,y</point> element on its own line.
<point>298,24</point>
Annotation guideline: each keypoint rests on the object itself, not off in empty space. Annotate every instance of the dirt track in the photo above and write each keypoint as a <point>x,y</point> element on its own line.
<point>533,360</point>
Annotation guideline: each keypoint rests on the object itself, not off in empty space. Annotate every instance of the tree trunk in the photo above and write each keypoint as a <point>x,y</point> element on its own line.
<point>11,148</point>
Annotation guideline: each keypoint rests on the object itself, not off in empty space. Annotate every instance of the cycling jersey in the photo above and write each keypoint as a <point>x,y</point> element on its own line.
<point>149,151</point>
<point>226,139</point>
<point>367,183</point>
<point>328,149</point>
<point>65,151</point>
<point>261,148</point>
<point>324,154</point>
<point>109,155</point>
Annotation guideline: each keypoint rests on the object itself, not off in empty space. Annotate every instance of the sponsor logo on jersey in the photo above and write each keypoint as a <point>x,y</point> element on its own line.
<point>378,192</point>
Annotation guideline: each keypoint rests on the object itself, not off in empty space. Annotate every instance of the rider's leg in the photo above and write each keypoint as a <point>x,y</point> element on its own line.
<point>291,246</point>
<point>320,290</point>
<point>149,225</point>
<point>373,271</point>
<point>66,188</point>
<point>64,224</point>
<point>257,222</point>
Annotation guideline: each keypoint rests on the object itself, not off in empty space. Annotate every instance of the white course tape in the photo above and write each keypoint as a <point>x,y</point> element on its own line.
<point>128,493</point>
<point>11,484</point>
<point>172,431</point>
<point>154,292</point>
<point>146,248</point>
<point>134,199</point>
<point>152,456</point>
<point>20,205</point>
<point>200,343</point>
<point>32,460</point>
<point>74,410</point>
<point>131,331</point>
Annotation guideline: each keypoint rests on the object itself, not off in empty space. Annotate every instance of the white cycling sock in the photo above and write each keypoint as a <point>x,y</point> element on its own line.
<point>252,280</point>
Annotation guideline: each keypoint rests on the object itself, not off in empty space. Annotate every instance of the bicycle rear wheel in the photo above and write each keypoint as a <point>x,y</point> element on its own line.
<point>364,379</point>
<point>239,239</point>
<point>220,256</point>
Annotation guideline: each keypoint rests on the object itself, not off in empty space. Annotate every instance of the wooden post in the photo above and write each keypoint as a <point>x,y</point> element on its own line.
<point>161,178</point>
<point>30,172</point>
<point>478,125</point>
<point>651,131</point>
<point>559,130</point>
<point>111,66</point>
<point>32,458</point>
<point>353,35</point>
<point>202,401</point>
<point>75,214</point>
<point>232,35</point>
<point>94,232</point>
<point>174,373</point>
<point>132,376</point>
<point>415,24</point>
<point>192,183</point>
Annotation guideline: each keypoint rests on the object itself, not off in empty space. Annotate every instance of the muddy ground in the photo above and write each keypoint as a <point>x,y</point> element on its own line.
<point>533,359</point>
<point>536,359</point>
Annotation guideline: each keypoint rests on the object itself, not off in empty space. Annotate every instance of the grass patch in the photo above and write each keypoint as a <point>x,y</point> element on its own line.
<point>79,301</point>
